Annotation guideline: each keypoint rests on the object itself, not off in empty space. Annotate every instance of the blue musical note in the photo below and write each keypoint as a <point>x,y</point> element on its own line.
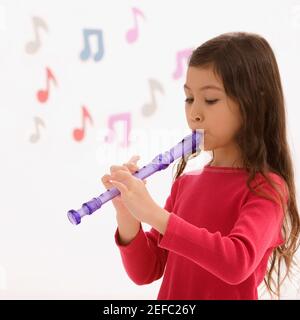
<point>86,52</point>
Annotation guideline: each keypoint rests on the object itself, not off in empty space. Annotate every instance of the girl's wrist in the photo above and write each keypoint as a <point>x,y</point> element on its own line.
<point>159,219</point>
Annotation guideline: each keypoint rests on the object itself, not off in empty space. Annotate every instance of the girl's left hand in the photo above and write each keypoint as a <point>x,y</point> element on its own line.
<point>135,195</point>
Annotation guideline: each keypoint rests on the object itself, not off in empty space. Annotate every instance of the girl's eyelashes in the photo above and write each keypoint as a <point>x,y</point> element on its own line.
<point>190,100</point>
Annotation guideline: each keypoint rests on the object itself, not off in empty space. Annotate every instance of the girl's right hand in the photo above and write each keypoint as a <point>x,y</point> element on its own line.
<point>117,201</point>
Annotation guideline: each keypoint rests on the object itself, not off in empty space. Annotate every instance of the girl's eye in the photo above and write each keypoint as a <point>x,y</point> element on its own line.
<point>189,100</point>
<point>211,101</point>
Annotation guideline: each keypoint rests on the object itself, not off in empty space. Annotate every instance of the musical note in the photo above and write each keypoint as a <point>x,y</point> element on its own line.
<point>35,137</point>
<point>179,57</point>
<point>86,52</point>
<point>43,95</point>
<point>78,134</point>
<point>126,117</point>
<point>149,108</point>
<point>132,34</point>
<point>32,46</point>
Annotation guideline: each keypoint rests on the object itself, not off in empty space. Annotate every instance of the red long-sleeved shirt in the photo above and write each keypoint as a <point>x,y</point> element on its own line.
<point>217,241</point>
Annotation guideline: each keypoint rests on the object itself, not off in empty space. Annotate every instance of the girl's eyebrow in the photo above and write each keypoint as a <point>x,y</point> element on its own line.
<point>205,87</point>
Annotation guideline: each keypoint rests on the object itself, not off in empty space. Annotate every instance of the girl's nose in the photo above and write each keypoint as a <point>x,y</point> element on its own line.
<point>197,118</point>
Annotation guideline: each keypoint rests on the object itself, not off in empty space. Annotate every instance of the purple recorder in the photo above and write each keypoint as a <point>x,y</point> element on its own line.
<point>188,145</point>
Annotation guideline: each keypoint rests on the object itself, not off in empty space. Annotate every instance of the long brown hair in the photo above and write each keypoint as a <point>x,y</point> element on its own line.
<point>247,66</point>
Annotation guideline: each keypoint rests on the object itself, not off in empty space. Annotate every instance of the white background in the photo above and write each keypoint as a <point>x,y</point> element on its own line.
<point>41,254</point>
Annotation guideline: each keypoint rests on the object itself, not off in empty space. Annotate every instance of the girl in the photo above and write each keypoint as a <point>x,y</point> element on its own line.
<point>221,225</point>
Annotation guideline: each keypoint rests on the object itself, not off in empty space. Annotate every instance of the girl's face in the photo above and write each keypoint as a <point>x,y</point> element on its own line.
<point>208,107</point>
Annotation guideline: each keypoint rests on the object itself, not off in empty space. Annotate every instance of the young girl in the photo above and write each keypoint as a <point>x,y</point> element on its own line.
<point>221,225</point>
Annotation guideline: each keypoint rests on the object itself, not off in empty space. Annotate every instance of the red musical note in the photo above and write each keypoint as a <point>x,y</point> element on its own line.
<point>149,108</point>
<point>78,133</point>
<point>133,33</point>
<point>179,57</point>
<point>43,95</point>
<point>126,117</point>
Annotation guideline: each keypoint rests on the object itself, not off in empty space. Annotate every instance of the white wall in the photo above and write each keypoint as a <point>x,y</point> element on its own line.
<point>41,177</point>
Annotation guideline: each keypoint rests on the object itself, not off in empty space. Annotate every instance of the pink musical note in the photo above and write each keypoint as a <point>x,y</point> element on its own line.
<point>32,46</point>
<point>79,133</point>
<point>38,122</point>
<point>43,95</point>
<point>180,55</point>
<point>132,34</point>
<point>149,108</point>
<point>126,118</point>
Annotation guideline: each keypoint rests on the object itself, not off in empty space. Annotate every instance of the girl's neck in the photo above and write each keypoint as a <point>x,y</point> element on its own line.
<point>235,164</point>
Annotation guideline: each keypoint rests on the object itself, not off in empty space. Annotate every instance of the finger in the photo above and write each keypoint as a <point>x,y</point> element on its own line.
<point>132,164</point>
<point>132,161</point>
<point>124,177</point>
<point>134,158</point>
<point>117,168</point>
<point>120,186</point>
<point>105,180</point>
<point>121,175</point>
<point>108,185</point>
<point>132,167</point>
<point>129,164</point>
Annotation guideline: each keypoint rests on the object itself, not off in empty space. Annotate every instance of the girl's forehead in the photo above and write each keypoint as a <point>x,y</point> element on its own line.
<point>199,77</point>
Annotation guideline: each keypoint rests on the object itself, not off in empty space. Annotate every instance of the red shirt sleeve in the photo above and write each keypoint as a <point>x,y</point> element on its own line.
<point>235,256</point>
<point>143,260</point>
